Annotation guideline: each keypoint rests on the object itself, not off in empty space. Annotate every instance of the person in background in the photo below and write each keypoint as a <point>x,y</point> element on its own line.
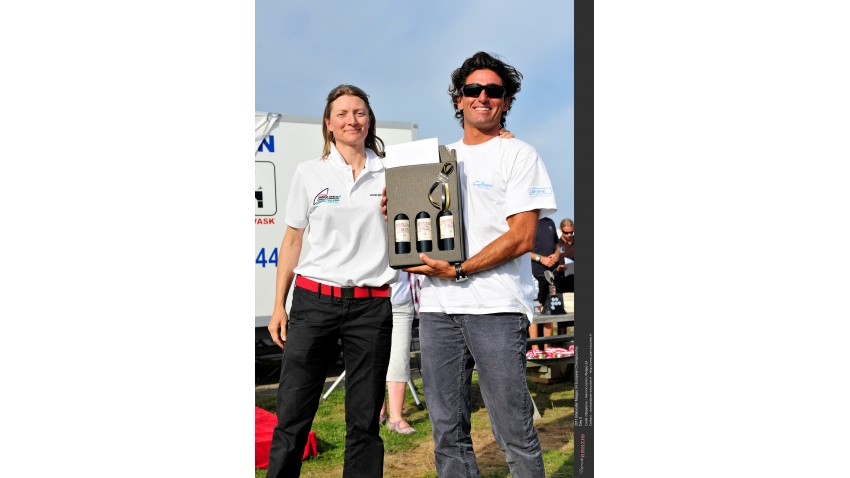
<point>341,290</point>
<point>565,282</point>
<point>398,373</point>
<point>544,257</point>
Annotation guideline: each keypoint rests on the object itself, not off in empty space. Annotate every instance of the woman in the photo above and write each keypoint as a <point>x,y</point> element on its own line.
<point>399,370</point>
<point>341,289</point>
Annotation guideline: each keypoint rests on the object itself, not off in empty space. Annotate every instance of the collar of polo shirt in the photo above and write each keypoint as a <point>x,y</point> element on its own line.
<point>373,161</point>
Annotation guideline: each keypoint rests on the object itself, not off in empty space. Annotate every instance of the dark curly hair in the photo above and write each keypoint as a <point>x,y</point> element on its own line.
<point>511,79</point>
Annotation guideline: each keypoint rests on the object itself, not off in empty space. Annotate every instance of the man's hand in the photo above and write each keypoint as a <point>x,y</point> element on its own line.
<point>505,134</point>
<point>384,203</point>
<point>277,326</point>
<point>548,261</point>
<point>433,268</point>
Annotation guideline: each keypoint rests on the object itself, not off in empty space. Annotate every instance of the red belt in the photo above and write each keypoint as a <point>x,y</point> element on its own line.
<point>353,292</point>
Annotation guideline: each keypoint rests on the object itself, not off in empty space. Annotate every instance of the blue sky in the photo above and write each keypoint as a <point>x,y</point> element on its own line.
<point>402,53</point>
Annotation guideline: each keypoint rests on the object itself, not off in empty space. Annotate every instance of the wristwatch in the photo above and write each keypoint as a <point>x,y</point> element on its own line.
<point>460,276</point>
<point>537,258</point>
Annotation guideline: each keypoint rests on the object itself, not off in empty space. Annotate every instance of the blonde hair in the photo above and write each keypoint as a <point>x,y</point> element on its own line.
<point>373,142</point>
<point>567,222</point>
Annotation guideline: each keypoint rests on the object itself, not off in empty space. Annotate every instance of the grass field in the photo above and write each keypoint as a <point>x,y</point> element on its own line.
<point>412,456</point>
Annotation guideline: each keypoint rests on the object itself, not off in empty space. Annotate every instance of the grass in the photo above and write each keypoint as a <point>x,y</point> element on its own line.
<point>408,456</point>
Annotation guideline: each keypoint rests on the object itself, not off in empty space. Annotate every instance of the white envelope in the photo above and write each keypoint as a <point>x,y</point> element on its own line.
<point>423,151</point>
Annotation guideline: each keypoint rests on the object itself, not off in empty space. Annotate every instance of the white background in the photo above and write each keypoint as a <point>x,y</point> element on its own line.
<point>721,255</point>
<point>721,133</point>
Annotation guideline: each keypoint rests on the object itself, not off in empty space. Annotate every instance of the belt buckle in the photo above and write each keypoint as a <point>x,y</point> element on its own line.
<point>346,292</point>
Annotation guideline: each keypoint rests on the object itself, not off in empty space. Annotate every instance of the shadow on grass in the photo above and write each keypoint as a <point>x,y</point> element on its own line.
<point>491,461</point>
<point>543,393</point>
<point>323,446</point>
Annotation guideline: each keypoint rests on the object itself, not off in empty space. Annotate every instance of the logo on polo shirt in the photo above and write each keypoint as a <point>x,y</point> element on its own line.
<point>482,185</point>
<point>324,197</point>
<point>536,192</point>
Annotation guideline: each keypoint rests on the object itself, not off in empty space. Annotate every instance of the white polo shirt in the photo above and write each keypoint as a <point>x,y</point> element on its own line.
<point>499,178</point>
<point>345,229</point>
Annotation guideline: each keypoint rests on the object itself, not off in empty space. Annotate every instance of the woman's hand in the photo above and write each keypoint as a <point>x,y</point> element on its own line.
<point>277,326</point>
<point>384,203</point>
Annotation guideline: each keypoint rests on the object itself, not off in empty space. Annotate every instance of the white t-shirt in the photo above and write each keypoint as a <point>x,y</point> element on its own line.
<point>498,179</point>
<point>345,229</point>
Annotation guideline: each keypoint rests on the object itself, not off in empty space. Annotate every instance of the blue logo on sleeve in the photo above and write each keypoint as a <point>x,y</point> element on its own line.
<point>537,192</point>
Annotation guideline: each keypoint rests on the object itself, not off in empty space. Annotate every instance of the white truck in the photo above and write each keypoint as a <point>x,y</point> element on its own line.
<point>283,141</point>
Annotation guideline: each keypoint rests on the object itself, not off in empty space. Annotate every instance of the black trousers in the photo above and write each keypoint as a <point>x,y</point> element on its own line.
<point>315,325</point>
<point>542,289</point>
<point>565,284</point>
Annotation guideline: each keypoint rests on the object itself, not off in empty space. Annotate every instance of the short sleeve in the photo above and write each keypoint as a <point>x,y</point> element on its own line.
<point>529,187</point>
<point>297,203</point>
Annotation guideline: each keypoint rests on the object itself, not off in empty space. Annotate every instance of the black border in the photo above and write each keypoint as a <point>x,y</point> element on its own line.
<point>583,131</point>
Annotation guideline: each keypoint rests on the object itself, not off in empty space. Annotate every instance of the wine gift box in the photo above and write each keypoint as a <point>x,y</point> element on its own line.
<point>410,192</point>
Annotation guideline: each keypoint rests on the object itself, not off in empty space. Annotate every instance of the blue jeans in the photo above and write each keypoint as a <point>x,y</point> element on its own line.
<point>495,344</point>
<point>315,324</point>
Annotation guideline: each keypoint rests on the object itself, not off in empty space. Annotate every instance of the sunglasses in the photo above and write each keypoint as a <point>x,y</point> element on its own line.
<point>565,232</point>
<point>474,90</point>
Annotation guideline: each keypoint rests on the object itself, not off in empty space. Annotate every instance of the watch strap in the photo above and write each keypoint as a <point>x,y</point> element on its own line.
<point>460,276</point>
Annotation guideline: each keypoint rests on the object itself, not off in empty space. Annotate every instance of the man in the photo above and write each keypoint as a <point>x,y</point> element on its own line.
<point>476,313</point>
<point>544,257</point>
<point>565,279</point>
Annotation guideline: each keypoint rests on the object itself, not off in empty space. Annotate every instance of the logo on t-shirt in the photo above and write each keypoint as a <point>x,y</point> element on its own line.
<point>482,185</point>
<point>537,192</point>
<point>324,197</point>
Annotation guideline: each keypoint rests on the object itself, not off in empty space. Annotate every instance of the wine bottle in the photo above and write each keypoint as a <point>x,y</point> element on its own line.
<point>423,232</point>
<point>402,234</point>
<point>445,231</point>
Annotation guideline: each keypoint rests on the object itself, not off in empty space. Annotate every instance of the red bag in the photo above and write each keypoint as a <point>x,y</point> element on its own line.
<point>264,423</point>
<point>310,448</point>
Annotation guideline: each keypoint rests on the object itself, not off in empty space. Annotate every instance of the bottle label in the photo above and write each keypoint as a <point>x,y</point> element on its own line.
<point>402,230</point>
<point>423,229</point>
<point>447,227</point>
